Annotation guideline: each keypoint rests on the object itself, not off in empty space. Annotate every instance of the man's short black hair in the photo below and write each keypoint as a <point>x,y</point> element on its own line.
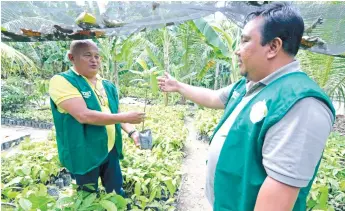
<point>283,21</point>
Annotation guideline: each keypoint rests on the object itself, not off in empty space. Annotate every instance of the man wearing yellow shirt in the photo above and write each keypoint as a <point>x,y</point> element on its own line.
<point>88,121</point>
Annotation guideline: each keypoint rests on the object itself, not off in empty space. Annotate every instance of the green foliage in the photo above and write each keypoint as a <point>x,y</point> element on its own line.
<point>328,191</point>
<point>151,178</point>
<point>207,121</point>
<point>327,71</point>
<point>44,115</point>
<point>19,93</point>
<point>14,96</point>
<point>154,175</point>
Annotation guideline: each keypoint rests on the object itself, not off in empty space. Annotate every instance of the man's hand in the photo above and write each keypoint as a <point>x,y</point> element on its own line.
<point>167,83</point>
<point>133,117</point>
<point>135,137</point>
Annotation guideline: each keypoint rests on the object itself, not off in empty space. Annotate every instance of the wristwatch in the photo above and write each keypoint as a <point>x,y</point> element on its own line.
<point>131,133</point>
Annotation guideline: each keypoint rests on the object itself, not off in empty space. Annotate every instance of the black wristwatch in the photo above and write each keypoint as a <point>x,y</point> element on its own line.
<point>131,133</point>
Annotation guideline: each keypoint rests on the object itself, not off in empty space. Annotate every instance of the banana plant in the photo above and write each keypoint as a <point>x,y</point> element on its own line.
<point>223,41</point>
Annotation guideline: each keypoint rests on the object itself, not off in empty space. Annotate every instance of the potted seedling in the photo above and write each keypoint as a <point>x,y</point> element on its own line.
<point>148,80</point>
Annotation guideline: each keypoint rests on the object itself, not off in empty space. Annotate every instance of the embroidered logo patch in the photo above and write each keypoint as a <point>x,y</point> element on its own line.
<point>258,112</point>
<point>86,94</point>
<point>235,95</point>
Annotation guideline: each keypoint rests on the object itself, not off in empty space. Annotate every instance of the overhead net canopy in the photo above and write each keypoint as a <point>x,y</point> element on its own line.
<point>66,20</point>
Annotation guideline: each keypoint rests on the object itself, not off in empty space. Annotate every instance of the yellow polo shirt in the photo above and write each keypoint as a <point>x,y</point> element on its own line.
<point>60,90</point>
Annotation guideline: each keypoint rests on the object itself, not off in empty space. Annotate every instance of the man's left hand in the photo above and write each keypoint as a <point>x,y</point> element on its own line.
<point>135,137</point>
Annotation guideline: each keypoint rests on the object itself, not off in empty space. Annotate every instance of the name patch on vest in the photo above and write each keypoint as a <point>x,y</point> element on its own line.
<point>258,112</point>
<point>86,94</point>
<point>235,95</point>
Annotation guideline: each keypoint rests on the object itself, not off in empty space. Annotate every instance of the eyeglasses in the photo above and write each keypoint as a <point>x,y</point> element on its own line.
<point>100,97</point>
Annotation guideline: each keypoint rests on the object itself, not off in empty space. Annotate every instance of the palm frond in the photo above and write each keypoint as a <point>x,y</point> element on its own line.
<point>14,57</point>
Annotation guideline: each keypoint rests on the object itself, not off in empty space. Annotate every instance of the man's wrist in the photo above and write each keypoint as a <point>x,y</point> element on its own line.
<point>131,133</point>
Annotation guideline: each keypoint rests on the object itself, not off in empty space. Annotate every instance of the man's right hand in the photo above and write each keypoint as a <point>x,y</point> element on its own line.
<point>133,117</point>
<point>167,83</point>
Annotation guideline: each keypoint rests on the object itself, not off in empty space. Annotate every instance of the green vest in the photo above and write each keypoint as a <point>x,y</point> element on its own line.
<point>239,172</point>
<point>83,147</point>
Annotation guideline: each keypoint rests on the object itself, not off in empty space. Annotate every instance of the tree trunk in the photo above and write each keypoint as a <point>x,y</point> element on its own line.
<point>216,78</point>
<point>166,60</point>
<point>116,74</point>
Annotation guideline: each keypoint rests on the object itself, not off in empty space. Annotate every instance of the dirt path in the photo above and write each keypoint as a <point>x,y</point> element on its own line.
<point>192,195</point>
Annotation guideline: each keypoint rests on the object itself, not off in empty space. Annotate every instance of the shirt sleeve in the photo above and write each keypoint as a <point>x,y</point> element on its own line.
<point>293,147</point>
<point>60,90</point>
<point>224,93</point>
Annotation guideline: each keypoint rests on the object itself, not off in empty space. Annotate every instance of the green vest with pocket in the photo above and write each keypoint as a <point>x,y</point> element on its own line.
<point>239,172</point>
<point>83,147</point>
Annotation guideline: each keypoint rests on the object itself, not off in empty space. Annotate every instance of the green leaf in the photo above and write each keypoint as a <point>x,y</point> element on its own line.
<point>170,186</point>
<point>136,72</point>
<point>122,72</point>
<point>43,176</point>
<point>211,37</point>
<point>154,83</point>
<point>26,169</point>
<point>42,190</point>
<point>154,58</point>
<point>323,198</point>
<point>11,194</point>
<point>39,202</point>
<point>204,70</point>
<point>108,205</point>
<point>342,185</point>
<point>64,201</point>
<point>137,189</point>
<point>143,64</point>
<point>153,195</point>
<point>89,200</point>
<point>16,180</point>
<point>226,35</point>
<point>25,204</point>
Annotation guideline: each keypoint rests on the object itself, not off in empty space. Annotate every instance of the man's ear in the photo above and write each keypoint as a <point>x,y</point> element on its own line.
<point>70,57</point>
<point>274,47</point>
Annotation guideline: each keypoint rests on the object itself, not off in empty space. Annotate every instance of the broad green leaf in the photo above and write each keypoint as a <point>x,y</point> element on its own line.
<point>89,200</point>
<point>143,64</point>
<point>204,70</point>
<point>61,202</point>
<point>211,37</point>
<point>169,201</point>
<point>77,204</point>
<point>154,58</point>
<point>136,72</point>
<point>143,199</point>
<point>153,195</point>
<point>323,198</point>
<point>122,72</point>
<point>26,169</point>
<point>119,201</point>
<point>39,202</point>
<point>342,185</point>
<point>25,204</point>
<point>154,83</point>
<point>11,194</point>
<point>137,189</point>
<point>42,190</point>
<point>108,205</point>
<point>226,35</point>
<point>44,176</point>
<point>170,186</point>
<point>14,181</point>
